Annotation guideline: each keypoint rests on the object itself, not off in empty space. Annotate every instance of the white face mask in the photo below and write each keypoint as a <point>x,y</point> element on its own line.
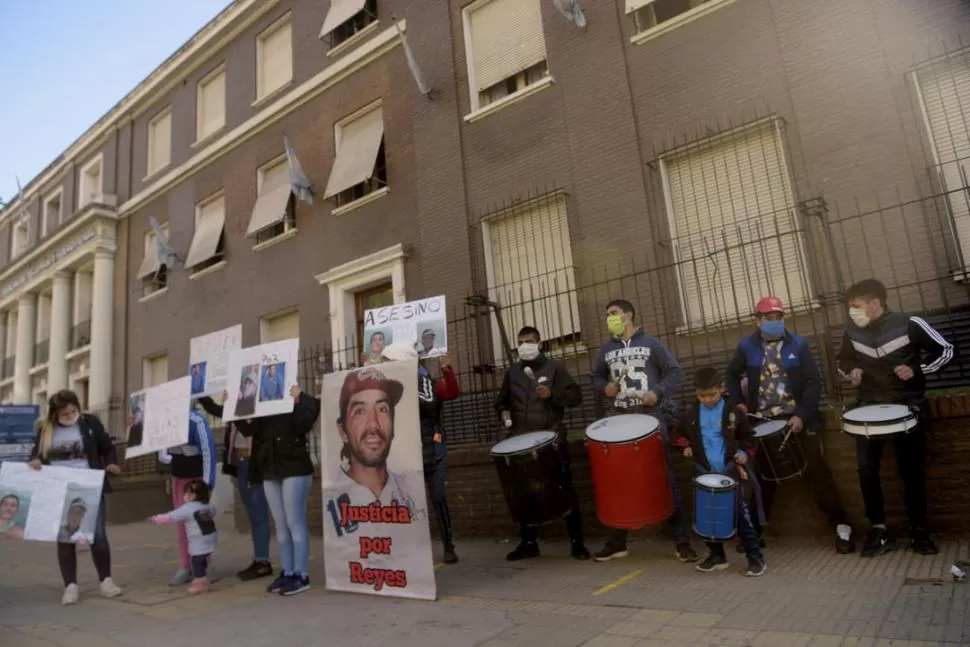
<point>68,421</point>
<point>859,317</point>
<point>528,352</point>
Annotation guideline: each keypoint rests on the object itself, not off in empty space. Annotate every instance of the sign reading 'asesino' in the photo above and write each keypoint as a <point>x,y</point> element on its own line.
<point>46,261</point>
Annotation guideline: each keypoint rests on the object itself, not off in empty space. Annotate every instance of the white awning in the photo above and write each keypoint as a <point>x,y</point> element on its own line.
<point>270,209</point>
<point>150,263</point>
<point>357,155</point>
<point>208,232</point>
<point>633,5</point>
<point>340,12</point>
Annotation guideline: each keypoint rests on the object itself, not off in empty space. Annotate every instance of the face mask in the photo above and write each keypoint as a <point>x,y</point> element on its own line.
<point>528,351</point>
<point>859,317</point>
<point>772,329</point>
<point>68,421</point>
<point>615,324</point>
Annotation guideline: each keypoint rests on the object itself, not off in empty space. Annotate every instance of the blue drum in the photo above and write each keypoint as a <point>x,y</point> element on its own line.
<point>715,506</point>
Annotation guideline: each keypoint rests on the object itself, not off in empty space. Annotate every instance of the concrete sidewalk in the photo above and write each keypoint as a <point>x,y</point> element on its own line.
<point>810,596</point>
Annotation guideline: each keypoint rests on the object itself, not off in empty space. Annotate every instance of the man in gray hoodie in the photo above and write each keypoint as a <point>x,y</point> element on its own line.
<point>641,376</point>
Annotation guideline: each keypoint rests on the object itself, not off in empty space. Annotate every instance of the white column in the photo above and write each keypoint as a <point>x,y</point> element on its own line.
<point>102,339</point>
<point>26,326</point>
<point>60,337</point>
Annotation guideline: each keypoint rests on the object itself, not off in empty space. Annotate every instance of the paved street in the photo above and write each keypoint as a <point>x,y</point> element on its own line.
<point>810,597</point>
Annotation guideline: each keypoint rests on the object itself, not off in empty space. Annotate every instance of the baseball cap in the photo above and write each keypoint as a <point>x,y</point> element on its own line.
<point>428,331</point>
<point>369,379</point>
<point>770,304</point>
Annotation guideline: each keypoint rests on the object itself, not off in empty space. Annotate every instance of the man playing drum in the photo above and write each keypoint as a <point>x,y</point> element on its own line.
<point>784,382</point>
<point>642,376</point>
<point>534,396</point>
<point>883,355</point>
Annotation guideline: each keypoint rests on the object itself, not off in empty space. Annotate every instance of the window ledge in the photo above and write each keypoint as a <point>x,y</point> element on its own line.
<point>513,98</point>
<point>40,368</point>
<point>77,352</point>
<point>153,295</point>
<point>212,269</point>
<point>155,173</point>
<point>360,202</point>
<point>286,235</point>
<point>354,40</point>
<point>272,94</point>
<point>209,138</point>
<point>678,21</point>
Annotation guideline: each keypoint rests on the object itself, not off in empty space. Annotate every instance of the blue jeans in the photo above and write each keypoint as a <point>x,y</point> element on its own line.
<point>287,501</point>
<point>254,500</point>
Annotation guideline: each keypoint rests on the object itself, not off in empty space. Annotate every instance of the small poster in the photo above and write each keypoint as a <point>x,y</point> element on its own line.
<point>165,420</point>
<point>17,431</point>
<point>260,379</point>
<point>422,324</point>
<point>377,538</point>
<point>209,360</point>
<point>50,504</point>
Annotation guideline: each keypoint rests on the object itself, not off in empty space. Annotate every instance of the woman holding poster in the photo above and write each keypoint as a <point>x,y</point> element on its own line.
<point>68,438</point>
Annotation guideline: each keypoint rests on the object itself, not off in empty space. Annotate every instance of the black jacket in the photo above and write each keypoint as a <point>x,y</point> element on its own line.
<point>530,412</point>
<point>735,427</point>
<point>98,446</point>
<point>215,410</point>
<point>280,447</point>
<point>892,340</point>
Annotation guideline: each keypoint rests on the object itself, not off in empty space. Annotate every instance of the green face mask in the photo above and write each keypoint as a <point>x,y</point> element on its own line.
<point>615,324</point>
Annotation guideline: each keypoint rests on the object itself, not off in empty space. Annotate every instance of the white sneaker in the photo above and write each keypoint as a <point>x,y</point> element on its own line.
<point>109,589</point>
<point>71,595</point>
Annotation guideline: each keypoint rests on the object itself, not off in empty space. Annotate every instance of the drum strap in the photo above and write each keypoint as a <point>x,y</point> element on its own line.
<point>752,479</point>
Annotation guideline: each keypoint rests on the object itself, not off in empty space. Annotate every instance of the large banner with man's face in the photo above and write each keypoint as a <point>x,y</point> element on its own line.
<point>376,535</point>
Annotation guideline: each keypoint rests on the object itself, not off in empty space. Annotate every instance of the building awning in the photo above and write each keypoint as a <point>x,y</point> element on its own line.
<point>633,5</point>
<point>208,232</point>
<point>340,12</point>
<point>357,155</point>
<point>270,209</point>
<point>150,264</point>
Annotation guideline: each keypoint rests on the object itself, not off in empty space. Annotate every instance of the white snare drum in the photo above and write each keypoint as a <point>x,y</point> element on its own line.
<point>879,420</point>
<point>766,429</point>
<point>523,443</point>
<point>624,428</point>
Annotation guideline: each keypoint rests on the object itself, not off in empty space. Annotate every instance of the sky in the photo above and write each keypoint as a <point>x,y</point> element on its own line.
<point>65,63</point>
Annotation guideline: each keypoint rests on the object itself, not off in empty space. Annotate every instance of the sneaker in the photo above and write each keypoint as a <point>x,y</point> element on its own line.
<point>295,584</point>
<point>714,562</point>
<point>610,552</point>
<point>109,589</point>
<point>878,542</point>
<point>71,595</point>
<point>181,577</point>
<point>255,571</point>
<point>920,542</point>
<point>525,550</point>
<point>198,586</point>
<point>685,553</point>
<point>450,556</point>
<point>578,551</point>
<point>843,539</point>
<point>278,583</point>
<point>756,566</point>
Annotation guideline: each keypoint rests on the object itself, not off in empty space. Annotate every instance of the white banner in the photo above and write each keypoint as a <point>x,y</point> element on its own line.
<point>376,535</point>
<point>50,504</point>
<point>209,360</point>
<point>422,324</point>
<point>166,417</point>
<point>260,379</point>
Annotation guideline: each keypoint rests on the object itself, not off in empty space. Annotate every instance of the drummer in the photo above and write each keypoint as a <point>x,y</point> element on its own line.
<point>535,394</point>
<point>784,382</point>
<point>883,354</point>
<point>642,376</point>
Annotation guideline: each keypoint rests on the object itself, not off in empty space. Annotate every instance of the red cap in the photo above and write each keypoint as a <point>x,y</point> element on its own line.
<point>770,304</point>
<point>366,379</point>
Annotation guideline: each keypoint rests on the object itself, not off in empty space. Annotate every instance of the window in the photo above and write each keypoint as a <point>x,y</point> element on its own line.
<point>90,183</point>
<point>20,238</point>
<point>154,371</point>
<point>208,241</point>
<point>648,14</point>
<point>152,273</point>
<point>211,104</point>
<point>11,344</point>
<point>274,213</point>
<point>505,48</point>
<point>160,141</point>
<point>359,168</point>
<point>42,330</point>
<point>367,299</point>
<point>52,213</point>
<point>944,89</point>
<point>274,58</point>
<point>529,266</point>
<point>733,225</point>
<point>279,327</point>
<point>83,293</point>
<point>347,18</point>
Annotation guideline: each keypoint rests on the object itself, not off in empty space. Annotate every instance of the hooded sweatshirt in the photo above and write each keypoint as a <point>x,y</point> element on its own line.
<point>637,365</point>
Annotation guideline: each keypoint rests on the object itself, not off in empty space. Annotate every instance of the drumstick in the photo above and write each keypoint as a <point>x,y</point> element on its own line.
<point>784,441</point>
<point>529,374</point>
<point>757,416</point>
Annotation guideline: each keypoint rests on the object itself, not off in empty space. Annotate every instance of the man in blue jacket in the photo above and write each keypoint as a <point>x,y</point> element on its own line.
<point>784,382</point>
<point>641,376</point>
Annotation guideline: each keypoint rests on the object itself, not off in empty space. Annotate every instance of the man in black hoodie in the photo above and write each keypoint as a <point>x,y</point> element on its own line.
<point>534,396</point>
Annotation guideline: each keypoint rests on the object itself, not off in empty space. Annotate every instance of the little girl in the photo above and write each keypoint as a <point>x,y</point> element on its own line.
<point>197,514</point>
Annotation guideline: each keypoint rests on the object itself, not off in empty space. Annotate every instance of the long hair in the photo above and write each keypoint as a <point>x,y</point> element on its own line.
<point>46,424</point>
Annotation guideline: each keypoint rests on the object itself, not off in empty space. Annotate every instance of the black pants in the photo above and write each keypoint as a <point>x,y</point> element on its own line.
<point>820,481</point>
<point>574,520</point>
<point>910,455</point>
<point>435,482</point>
<point>100,553</point>
<point>746,532</point>
<point>200,565</point>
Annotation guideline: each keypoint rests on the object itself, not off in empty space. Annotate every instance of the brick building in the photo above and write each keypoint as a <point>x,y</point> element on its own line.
<point>690,155</point>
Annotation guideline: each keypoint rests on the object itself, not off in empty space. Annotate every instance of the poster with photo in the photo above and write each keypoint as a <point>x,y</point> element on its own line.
<point>166,418</point>
<point>17,432</point>
<point>136,419</point>
<point>260,379</point>
<point>49,504</point>
<point>376,538</point>
<point>209,360</point>
<point>422,324</point>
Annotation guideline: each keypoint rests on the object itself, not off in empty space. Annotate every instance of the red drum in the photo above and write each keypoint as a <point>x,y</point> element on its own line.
<point>630,484</point>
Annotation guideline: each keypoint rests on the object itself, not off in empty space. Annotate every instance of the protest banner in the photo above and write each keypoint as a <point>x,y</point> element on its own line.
<point>166,417</point>
<point>260,380</point>
<point>209,360</point>
<point>49,504</point>
<point>421,324</point>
